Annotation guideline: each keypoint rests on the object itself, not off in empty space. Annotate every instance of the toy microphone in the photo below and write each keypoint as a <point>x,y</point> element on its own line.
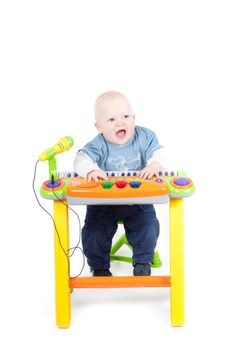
<point>62,145</point>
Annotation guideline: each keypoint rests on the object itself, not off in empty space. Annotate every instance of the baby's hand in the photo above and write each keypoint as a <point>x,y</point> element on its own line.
<point>151,170</point>
<point>96,174</point>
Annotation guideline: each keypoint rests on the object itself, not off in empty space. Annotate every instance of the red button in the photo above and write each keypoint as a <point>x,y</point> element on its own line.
<point>121,184</point>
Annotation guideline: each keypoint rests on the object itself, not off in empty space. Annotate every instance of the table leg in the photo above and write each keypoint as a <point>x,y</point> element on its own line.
<point>177,261</point>
<point>63,312</point>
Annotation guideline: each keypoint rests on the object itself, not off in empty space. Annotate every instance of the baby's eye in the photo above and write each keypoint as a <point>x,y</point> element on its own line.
<point>126,116</point>
<point>110,119</point>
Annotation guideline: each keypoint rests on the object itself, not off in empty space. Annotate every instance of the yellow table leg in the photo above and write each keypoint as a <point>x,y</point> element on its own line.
<point>63,313</point>
<point>177,261</point>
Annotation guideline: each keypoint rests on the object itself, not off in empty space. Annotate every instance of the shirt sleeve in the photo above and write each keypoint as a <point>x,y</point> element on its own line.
<point>151,143</point>
<point>94,149</point>
<point>88,158</point>
<point>83,164</point>
<point>159,157</point>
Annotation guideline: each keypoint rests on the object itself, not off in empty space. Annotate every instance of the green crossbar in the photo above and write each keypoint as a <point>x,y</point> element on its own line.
<point>123,240</point>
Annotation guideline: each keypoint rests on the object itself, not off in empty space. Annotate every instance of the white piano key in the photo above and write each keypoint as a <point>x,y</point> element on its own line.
<point>63,174</point>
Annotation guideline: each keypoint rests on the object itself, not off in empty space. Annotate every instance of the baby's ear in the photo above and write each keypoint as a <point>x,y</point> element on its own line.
<point>98,127</point>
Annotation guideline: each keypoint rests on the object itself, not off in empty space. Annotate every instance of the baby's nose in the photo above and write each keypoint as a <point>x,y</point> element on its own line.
<point>120,122</point>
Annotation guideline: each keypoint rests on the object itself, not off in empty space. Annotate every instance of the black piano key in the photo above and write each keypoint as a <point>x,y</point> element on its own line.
<point>128,174</point>
<point>172,173</point>
<point>69,175</point>
<point>160,173</point>
<point>166,173</point>
<point>75,174</point>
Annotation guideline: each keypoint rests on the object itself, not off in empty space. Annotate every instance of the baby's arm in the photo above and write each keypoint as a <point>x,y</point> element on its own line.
<point>85,167</point>
<point>155,164</point>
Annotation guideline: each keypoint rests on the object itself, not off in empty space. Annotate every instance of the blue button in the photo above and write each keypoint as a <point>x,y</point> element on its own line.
<point>181,181</point>
<point>135,184</point>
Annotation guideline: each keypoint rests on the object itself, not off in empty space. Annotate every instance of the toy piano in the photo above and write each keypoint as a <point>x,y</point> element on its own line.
<point>119,188</point>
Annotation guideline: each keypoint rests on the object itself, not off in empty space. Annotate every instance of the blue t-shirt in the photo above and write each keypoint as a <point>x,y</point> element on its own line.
<point>132,155</point>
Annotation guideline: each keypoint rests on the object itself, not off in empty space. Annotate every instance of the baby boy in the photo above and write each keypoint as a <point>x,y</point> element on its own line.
<point>119,146</point>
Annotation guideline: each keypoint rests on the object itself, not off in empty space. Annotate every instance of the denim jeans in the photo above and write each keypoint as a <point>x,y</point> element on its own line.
<point>141,227</point>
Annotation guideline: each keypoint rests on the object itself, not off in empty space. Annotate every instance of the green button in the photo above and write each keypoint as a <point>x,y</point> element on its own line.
<point>107,184</point>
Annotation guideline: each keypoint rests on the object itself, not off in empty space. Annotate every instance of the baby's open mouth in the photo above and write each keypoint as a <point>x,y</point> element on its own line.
<point>121,133</point>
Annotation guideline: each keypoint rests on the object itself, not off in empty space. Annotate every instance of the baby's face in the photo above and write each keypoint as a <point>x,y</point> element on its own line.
<point>115,120</point>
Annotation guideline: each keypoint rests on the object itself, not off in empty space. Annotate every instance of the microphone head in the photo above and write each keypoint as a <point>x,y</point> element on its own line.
<point>70,141</point>
<point>64,144</point>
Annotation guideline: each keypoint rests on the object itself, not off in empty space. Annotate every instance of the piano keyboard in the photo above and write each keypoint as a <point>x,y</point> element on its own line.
<point>121,187</point>
<point>65,174</point>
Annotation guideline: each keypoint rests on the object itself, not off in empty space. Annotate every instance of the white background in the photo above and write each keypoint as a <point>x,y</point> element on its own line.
<point>173,61</point>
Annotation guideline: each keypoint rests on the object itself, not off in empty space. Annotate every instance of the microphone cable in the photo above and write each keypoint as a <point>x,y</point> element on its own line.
<point>68,256</point>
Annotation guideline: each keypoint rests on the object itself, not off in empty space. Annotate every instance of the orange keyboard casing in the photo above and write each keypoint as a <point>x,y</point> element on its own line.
<point>81,188</point>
